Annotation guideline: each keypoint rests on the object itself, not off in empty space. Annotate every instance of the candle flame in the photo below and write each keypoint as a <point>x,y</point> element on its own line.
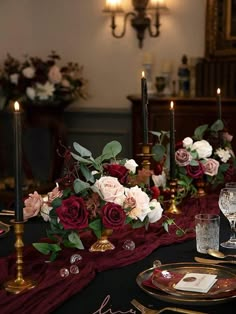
<point>218,91</point>
<point>143,74</point>
<point>16,106</point>
<point>171,105</point>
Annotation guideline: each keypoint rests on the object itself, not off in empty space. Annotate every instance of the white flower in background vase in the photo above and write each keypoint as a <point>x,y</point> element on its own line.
<point>30,92</point>
<point>43,92</point>
<point>224,154</point>
<point>14,78</point>
<point>28,72</point>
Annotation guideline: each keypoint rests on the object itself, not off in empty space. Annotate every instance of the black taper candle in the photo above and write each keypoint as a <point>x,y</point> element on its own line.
<point>144,108</point>
<point>18,163</point>
<point>219,103</point>
<point>172,140</point>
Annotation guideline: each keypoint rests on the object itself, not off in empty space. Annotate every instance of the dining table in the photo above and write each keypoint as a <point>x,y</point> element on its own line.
<point>107,282</point>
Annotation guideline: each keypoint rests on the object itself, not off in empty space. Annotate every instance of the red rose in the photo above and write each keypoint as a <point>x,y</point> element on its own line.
<point>117,171</point>
<point>195,172</point>
<point>155,191</point>
<point>73,213</point>
<point>113,216</point>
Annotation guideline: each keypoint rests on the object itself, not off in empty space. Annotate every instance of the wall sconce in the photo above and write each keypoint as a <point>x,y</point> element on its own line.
<point>140,20</point>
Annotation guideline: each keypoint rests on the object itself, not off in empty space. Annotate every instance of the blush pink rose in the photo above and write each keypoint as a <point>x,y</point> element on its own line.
<point>211,167</point>
<point>55,193</point>
<point>32,205</point>
<point>110,189</point>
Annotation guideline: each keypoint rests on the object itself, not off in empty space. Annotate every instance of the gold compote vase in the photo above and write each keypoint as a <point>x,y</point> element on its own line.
<point>103,244</point>
<point>201,187</point>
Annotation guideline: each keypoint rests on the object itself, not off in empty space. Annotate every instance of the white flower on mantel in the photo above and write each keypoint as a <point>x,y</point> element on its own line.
<point>14,78</point>
<point>159,180</point>
<point>45,91</point>
<point>30,92</point>
<point>156,213</point>
<point>28,72</point>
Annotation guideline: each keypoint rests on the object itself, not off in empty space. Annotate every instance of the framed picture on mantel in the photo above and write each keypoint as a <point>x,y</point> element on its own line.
<point>220,42</point>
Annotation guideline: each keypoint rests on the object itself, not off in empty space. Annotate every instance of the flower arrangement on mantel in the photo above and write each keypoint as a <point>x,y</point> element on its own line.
<point>206,156</point>
<point>96,194</point>
<point>41,81</point>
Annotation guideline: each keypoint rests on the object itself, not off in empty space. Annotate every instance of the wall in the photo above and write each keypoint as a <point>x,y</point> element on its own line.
<point>79,31</point>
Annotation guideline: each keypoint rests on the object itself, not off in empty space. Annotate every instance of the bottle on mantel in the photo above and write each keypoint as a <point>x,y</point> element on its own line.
<point>184,78</point>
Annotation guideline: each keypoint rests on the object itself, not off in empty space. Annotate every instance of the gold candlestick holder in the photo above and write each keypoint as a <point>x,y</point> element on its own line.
<point>173,209</point>
<point>146,156</point>
<point>19,284</point>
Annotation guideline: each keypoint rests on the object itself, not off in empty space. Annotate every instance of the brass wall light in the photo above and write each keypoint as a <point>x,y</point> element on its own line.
<point>147,12</point>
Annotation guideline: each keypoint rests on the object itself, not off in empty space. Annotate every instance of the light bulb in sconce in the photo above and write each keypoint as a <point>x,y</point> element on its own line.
<point>113,6</point>
<point>154,4</point>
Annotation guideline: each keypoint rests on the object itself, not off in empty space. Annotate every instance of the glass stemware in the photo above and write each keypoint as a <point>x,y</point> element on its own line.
<point>227,204</point>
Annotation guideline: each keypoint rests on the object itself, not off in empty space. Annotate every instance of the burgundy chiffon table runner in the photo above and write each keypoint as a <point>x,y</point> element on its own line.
<point>52,290</point>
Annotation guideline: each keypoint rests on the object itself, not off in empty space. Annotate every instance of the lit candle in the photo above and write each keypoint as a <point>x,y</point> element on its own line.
<point>18,163</point>
<point>172,140</point>
<point>144,108</point>
<point>219,103</point>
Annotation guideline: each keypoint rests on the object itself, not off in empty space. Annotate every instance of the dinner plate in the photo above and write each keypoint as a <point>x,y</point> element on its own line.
<point>188,297</point>
<point>168,277</point>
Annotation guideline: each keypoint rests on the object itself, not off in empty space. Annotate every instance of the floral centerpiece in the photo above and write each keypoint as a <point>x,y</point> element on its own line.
<point>39,81</point>
<point>207,156</point>
<point>95,194</point>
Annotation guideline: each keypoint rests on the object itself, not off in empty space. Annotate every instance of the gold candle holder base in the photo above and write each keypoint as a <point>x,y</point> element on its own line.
<point>16,286</point>
<point>146,155</point>
<point>173,209</point>
<point>19,284</point>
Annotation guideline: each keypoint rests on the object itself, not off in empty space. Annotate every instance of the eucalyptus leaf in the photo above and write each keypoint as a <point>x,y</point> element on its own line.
<point>158,152</point>
<point>111,150</point>
<point>80,185</point>
<point>75,239</point>
<point>217,126</point>
<point>84,152</point>
<point>81,159</point>
<point>199,131</point>
<point>87,173</point>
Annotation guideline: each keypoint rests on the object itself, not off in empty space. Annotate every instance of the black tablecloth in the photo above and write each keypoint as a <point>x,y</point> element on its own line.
<point>118,286</point>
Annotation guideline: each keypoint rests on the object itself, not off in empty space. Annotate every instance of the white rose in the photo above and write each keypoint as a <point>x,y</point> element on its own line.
<point>203,149</point>
<point>30,92</point>
<point>131,165</point>
<point>159,180</point>
<point>187,142</point>
<point>110,189</point>
<point>28,72</point>
<point>156,213</point>
<point>14,78</point>
<point>141,202</point>
<point>55,75</point>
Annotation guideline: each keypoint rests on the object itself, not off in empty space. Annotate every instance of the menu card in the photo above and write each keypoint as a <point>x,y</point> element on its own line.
<point>196,282</point>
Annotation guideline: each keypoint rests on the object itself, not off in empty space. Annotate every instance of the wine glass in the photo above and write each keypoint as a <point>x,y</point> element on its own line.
<point>227,204</point>
<point>230,185</point>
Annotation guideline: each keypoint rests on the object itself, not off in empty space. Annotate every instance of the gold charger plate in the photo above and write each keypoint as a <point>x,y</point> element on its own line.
<point>188,298</point>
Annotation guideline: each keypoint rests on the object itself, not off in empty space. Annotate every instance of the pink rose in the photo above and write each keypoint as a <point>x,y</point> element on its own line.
<point>227,137</point>
<point>140,203</point>
<point>55,193</point>
<point>113,216</point>
<point>32,205</point>
<point>182,157</point>
<point>55,75</point>
<point>211,167</point>
<point>73,213</point>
